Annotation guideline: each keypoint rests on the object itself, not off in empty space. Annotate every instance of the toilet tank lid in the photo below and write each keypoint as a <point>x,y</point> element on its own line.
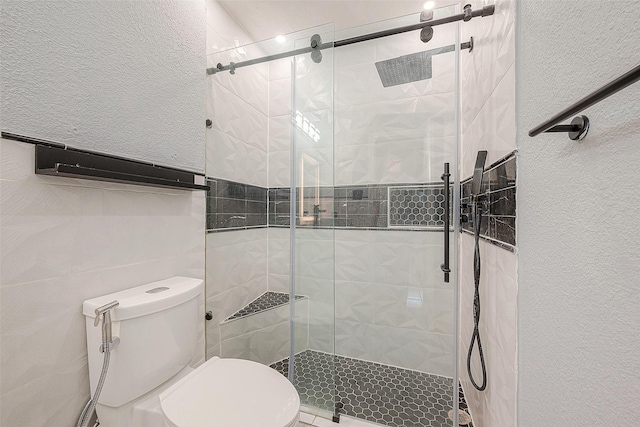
<point>147,299</point>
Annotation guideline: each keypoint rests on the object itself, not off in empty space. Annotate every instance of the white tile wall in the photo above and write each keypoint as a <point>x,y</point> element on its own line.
<point>429,116</point>
<point>265,337</point>
<point>406,348</point>
<point>236,275</point>
<point>396,134</point>
<point>314,278</point>
<point>280,123</point>
<point>280,69</point>
<point>279,262</point>
<point>249,84</point>
<point>314,83</point>
<point>494,127</point>
<point>482,86</point>
<point>237,143</point>
<point>280,97</point>
<point>238,105</point>
<point>237,149</point>
<point>391,302</point>
<point>382,135</point>
<point>279,133</point>
<point>279,169</point>
<point>223,32</point>
<point>498,284</point>
<point>65,241</point>
<point>488,123</point>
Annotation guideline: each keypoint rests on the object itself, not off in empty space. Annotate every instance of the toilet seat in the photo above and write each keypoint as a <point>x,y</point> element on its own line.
<point>231,393</point>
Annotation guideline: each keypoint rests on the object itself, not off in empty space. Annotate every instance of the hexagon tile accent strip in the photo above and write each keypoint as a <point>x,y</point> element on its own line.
<point>382,394</point>
<point>421,206</point>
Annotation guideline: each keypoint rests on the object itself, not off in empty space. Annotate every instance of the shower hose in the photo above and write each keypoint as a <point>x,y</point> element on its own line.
<point>87,412</point>
<point>475,337</point>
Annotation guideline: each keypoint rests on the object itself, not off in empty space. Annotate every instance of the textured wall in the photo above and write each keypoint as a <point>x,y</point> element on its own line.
<point>488,123</point>
<point>579,295</point>
<point>121,77</point>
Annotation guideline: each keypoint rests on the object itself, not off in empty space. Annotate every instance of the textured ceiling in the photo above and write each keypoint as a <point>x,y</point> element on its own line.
<point>264,19</point>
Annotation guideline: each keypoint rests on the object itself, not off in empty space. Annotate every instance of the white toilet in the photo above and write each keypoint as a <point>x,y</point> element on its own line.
<point>149,380</point>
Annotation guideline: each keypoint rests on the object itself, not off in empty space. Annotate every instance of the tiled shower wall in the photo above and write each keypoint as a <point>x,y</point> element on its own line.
<point>498,193</point>
<point>488,123</point>
<point>392,305</point>
<point>236,151</point>
<point>383,137</point>
<point>237,206</point>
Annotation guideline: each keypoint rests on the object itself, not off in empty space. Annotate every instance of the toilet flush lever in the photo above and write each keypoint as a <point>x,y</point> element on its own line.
<point>108,342</point>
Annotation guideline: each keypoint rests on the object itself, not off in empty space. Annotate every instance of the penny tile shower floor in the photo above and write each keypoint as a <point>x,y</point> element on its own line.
<point>377,393</point>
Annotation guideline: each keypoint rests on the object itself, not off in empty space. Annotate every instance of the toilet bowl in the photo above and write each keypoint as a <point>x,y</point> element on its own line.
<point>150,380</point>
<point>231,393</point>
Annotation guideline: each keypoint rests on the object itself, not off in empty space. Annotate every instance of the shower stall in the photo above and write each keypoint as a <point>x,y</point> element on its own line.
<point>326,215</point>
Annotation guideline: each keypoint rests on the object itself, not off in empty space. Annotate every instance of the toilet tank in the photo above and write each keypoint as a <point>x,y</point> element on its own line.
<point>158,326</point>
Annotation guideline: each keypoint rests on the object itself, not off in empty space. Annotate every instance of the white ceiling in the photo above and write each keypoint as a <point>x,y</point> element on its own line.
<point>265,19</point>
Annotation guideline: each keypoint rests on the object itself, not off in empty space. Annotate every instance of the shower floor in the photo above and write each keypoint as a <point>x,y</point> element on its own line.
<point>378,393</point>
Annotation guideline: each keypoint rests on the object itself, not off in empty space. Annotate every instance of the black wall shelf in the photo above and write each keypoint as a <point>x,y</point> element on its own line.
<point>58,160</point>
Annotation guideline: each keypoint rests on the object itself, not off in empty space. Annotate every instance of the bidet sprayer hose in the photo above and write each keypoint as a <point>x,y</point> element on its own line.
<point>87,412</point>
<point>475,337</point>
<point>108,344</point>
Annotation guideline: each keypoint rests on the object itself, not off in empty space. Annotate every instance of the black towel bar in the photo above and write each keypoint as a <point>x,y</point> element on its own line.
<point>580,124</point>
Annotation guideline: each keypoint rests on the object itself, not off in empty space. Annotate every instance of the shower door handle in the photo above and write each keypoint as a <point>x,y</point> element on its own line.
<point>445,266</point>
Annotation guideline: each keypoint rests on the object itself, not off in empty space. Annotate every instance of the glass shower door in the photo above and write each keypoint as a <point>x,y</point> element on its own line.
<point>312,234</point>
<point>396,126</point>
<point>348,144</point>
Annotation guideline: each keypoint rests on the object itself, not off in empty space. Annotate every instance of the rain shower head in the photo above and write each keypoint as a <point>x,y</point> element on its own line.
<point>409,68</point>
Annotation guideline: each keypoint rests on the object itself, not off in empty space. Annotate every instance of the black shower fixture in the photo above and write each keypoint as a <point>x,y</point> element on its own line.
<point>477,201</point>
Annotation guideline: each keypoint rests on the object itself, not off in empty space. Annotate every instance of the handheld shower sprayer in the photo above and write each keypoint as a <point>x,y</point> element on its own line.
<point>478,170</point>
<point>477,201</point>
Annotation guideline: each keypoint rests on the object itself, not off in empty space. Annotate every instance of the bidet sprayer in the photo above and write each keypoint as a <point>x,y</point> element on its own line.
<point>107,338</point>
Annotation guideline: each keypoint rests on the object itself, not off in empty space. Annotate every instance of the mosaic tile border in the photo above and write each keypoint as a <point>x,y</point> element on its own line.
<point>360,207</point>
<point>236,206</point>
<point>499,185</point>
<point>264,302</point>
<point>378,393</point>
